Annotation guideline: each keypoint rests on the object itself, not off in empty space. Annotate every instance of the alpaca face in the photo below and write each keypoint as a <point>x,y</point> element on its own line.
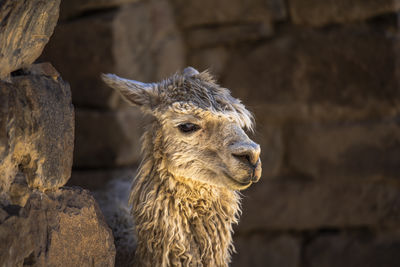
<point>210,147</point>
<point>201,128</point>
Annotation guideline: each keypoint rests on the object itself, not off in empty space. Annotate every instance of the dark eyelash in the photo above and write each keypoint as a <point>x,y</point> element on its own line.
<point>188,127</point>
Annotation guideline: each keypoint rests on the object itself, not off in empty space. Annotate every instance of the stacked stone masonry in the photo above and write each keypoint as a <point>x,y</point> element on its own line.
<point>322,78</point>
<point>42,223</point>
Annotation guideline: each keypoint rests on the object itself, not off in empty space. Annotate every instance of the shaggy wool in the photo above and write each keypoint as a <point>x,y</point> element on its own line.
<point>185,196</point>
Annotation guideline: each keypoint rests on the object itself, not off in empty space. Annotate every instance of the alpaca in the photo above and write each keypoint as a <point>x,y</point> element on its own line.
<point>196,157</point>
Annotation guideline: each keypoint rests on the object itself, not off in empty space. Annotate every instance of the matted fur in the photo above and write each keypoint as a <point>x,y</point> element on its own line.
<point>183,209</point>
<point>180,222</point>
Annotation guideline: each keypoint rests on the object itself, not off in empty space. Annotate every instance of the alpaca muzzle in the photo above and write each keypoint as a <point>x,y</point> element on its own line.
<point>248,155</point>
<point>257,172</point>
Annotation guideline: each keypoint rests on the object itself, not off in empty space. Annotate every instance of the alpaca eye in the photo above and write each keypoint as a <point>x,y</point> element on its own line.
<point>188,127</point>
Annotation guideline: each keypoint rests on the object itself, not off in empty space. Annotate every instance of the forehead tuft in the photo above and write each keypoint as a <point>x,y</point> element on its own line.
<point>202,92</point>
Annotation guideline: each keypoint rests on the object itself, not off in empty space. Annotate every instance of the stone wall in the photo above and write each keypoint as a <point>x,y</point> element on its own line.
<point>322,79</point>
<point>42,223</point>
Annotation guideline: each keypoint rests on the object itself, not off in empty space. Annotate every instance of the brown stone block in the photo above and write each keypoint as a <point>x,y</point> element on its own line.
<point>194,13</point>
<point>36,133</point>
<point>319,13</point>
<point>260,250</point>
<point>270,137</point>
<point>108,138</point>
<point>363,249</point>
<point>297,203</point>
<point>368,149</point>
<point>213,59</point>
<point>138,41</point>
<point>227,34</point>
<point>353,67</point>
<point>26,27</point>
<point>72,8</point>
<point>212,23</point>
<point>62,228</point>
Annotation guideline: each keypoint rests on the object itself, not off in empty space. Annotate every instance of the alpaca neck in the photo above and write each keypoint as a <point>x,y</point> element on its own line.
<point>180,222</point>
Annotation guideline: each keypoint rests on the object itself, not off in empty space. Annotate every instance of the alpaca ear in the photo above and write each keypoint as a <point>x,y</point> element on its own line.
<point>190,71</point>
<point>134,92</point>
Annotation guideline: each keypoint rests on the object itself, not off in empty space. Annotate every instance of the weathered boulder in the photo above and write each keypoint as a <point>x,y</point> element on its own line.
<point>320,13</point>
<point>114,138</point>
<point>25,28</point>
<point>260,250</point>
<point>61,228</point>
<point>36,133</point>
<point>356,249</point>
<point>111,188</point>
<point>138,41</point>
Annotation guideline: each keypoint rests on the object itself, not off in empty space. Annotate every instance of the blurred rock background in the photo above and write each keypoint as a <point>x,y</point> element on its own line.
<point>322,78</point>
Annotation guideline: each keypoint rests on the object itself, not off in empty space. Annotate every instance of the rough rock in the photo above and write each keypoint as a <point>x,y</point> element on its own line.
<point>319,13</point>
<point>293,202</point>
<point>111,188</point>
<point>62,228</point>
<point>25,28</point>
<point>260,250</point>
<point>75,8</point>
<point>194,13</point>
<point>138,41</point>
<point>36,133</point>
<point>355,69</point>
<point>114,138</point>
<point>355,249</point>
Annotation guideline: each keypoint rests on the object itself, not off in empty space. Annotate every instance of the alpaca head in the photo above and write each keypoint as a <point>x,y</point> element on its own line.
<point>198,129</point>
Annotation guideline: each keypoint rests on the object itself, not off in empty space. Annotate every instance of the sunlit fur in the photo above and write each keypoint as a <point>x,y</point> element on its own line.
<point>184,198</point>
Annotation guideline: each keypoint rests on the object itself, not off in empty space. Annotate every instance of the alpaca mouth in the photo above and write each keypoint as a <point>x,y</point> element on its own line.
<point>244,182</point>
<point>238,183</point>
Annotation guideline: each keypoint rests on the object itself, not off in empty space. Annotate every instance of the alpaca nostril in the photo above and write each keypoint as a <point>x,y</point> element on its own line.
<point>245,158</point>
<point>248,153</point>
<point>248,156</point>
